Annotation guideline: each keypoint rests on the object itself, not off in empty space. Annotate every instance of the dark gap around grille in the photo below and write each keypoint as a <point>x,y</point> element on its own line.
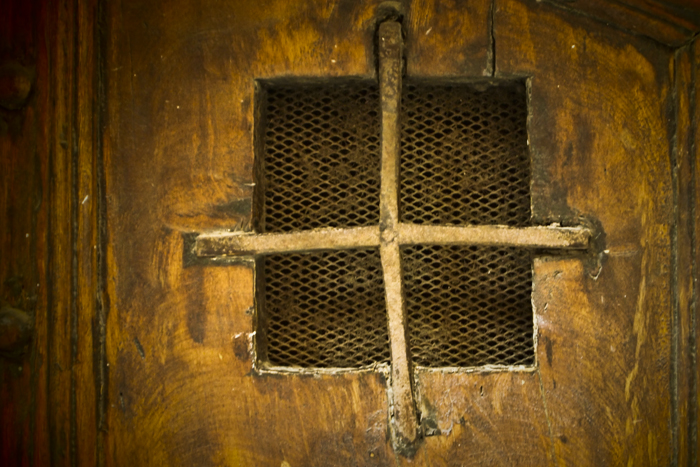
<point>325,309</point>
<point>320,159</point>
<point>468,306</point>
<point>464,154</point>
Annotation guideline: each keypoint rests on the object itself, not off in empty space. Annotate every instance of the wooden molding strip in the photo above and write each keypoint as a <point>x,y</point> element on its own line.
<point>247,244</point>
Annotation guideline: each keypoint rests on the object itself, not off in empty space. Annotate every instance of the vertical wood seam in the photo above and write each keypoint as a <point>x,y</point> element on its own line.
<point>673,279</point>
<point>101,298</point>
<point>491,53</point>
<point>693,402</point>
<point>74,229</point>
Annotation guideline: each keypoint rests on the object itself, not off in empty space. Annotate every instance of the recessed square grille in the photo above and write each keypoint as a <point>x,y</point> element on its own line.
<point>468,305</point>
<point>463,160</point>
<point>464,155</point>
<point>321,155</point>
<point>325,309</point>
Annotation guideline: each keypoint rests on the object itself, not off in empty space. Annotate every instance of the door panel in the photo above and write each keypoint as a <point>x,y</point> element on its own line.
<point>179,159</point>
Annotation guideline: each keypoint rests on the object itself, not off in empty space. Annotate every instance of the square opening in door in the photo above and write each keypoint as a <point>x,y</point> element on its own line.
<point>464,161</point>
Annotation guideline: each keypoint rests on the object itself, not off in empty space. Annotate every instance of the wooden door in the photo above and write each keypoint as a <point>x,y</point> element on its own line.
<point>172,354</point>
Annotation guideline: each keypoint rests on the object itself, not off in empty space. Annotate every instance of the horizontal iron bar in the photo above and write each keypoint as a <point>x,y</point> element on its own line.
<point>237,244</point>
<point>246,244</point>
<point>576,238</point>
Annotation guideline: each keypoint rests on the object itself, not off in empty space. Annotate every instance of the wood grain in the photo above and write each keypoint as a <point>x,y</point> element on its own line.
<point>673,25</point>
<point>179,158</point>
<point>601,103</point>
<point>685,266</point>
<point>48,246</point>
<point>695,226</point>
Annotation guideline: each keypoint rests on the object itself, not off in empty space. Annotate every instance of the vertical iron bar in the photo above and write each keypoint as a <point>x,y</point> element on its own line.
<point>403,411</point>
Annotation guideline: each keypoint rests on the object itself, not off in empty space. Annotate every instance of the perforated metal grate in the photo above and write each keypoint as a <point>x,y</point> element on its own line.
<point>321,156</point>
<point>464,155</point>
<point>326,309</point>
<point>468,305</point>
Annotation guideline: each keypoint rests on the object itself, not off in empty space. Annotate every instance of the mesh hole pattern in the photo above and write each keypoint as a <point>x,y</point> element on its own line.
<point>464,154</point>
<point>321,156</point>
<point>468,305</point>
<point>326,309</point>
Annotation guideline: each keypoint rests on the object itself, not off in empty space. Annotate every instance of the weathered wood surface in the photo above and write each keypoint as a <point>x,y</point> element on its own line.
<point>673,22</point>
<point>179,159</point>
<point>600,135</point>
<point>683,186</point>
<point>695,226</point>
<point>24,430</point>
<point>48,239</point>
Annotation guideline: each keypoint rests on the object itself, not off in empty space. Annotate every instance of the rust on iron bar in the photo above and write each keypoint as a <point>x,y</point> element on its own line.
<point>404,422</point>
<point>247,244</point>
<point>571,238</point>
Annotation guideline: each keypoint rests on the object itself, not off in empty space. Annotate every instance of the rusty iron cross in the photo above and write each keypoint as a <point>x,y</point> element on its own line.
<point>389,236</point>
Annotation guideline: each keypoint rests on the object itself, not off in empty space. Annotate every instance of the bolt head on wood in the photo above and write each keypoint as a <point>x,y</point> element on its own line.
<point>15,329</point>
<point>15,86</point>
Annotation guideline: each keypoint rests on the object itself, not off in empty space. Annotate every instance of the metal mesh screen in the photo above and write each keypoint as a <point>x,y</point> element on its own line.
<point>321,156</point>
<point>326,309</point>
<point>468,305</point>
<point>464,155</point>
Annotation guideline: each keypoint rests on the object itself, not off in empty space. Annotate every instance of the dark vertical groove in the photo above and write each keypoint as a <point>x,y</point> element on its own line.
<point>51,52</point>
<point>41,24</point>
<point>491,53</point>
<point>692,338</point>
<point>102,299</point>
<point>675,304</point>
<point>74,203</point>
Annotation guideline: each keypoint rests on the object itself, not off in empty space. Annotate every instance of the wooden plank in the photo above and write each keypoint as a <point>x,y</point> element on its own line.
<point>448,39</point>
<point>664,23</point>
<point>85,198</point>
<point>61,277</point>
<point>23,240</point>
<point>683,300</point>
<point>483,418</point>
<point>694,194</point>
<point>168,169</point>
<point>606,369</point>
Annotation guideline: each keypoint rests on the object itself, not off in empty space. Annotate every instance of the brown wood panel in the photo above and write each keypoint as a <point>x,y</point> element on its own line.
<point>179,158</point>
<point>694,192</point>
<point>48,398</point>
<point>24,430</point>
<point>448,38</point>
<point>671,23</point>
<point>601,102</point>
<point>483,418</point>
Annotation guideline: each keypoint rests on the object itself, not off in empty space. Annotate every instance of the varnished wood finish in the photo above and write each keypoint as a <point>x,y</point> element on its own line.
<point>613,138</point>
<point>673,22</point>
<point>600,131</point>
<point>48,247</point>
